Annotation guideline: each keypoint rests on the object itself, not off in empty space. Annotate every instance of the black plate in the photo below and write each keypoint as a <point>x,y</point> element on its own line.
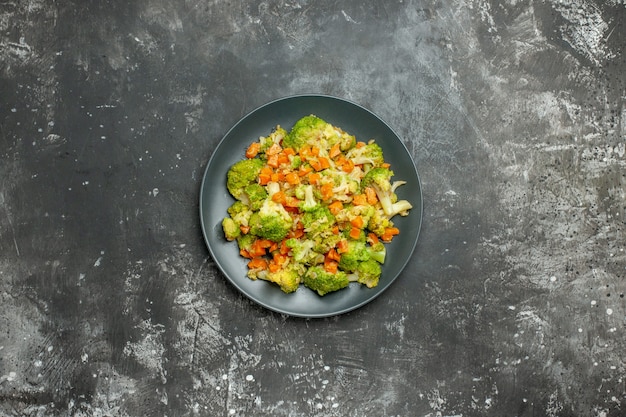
<point>215,199</point>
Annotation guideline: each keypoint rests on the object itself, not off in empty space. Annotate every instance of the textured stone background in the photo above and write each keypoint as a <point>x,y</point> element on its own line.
<point>513,303</point>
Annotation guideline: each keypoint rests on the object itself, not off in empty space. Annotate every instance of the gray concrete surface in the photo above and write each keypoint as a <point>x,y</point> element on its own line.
<point>512,305</point>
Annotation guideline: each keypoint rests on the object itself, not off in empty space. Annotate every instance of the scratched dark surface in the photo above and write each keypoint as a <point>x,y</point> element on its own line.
<point>512,304</point>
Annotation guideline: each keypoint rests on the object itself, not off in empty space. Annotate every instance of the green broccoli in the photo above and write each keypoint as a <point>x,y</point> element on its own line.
<point>379,222</point>
<point>245,242</point>
<point>377,252</point>
<point>271,222</point>
<point>368,273</point>
<point>240,212</point>
<point>323,282</point>
<point>287,278</point>
<point>308,129</point>
<point>231,229</point>
<point>256,194</point>
<point>306,193</point>
<point>369,154</point>
<point>326,241</point>
<point>303,251</point>
<point>242,174</point>
<point>357,252</point>
<point>317,220</point>
<point>379,179</point>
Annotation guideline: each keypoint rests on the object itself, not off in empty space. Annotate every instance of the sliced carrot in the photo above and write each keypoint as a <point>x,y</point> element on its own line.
<point>330,266</point>
<point>333,255</point>
<point>316,164</point>
<point>327,191</point>
<point>347,166</point>
<point>289,151</point>
<point>298,233</point>
<point>283,158</point>
<point>279,197</point>
<point>335,230</point>
<point>292,178</point>
<point>279,258</point>
<point>342,246</point>
<point>335,207</point>
<point>392,231</point>
<point>272,161</point>
<point>257,263</point>
<point>245,253</point>
<point>357,222</point>
<point>278,177</point>
<point>313,178</point>
<point>284,249</point>
<point>315,150</point>
<point>244,229</point>
<point>273,266</point>
<point>372,238</point>
<point>253,150</point>
<point>264,179</point>
<point>371,196</point>
<point>389,233</point>
<point>359,199</point>
<point>335,151</point>
<point>304,170</point>
<point>385,165</point>
<point>355,233</point>
<point>324,162</point>
<point>360,144</point>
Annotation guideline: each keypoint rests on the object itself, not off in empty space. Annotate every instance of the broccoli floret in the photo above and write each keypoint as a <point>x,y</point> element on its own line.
<point>368,154</point>
<point>256,194</point>
<point>357,252</point>
<point>240,212</point>
<point>303,251</point>
<point>379,222</point>
<point>231,229</point>
<point>271,222</point>
<point>317,220</point>
<point>287,278</point>
<point>242,174</point>
<point>245,242</point>
<point>368,273</point>
<point>322,281</point>
<point>305,193</point>
<point>377,252</point>
<point>326,241</point>
<point>350,212</point>
<point>379,179</point>
<point>343,184</point>
<point>296,161</point>
<point>308,129</point>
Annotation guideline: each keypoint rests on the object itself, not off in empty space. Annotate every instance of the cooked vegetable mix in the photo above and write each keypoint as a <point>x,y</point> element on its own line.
<point>313,206</point>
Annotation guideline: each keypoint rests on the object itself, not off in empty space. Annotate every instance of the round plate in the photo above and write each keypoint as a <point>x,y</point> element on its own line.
<point>215,199</point>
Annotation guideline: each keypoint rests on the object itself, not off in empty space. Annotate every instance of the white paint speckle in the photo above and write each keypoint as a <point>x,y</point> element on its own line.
<point>224,377</point>
<point>98,262</point>
<point>609,311</point>
<point>552,278</point>
<point>594,302</point>
<point>155,192</point>
<point>249,378</point>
